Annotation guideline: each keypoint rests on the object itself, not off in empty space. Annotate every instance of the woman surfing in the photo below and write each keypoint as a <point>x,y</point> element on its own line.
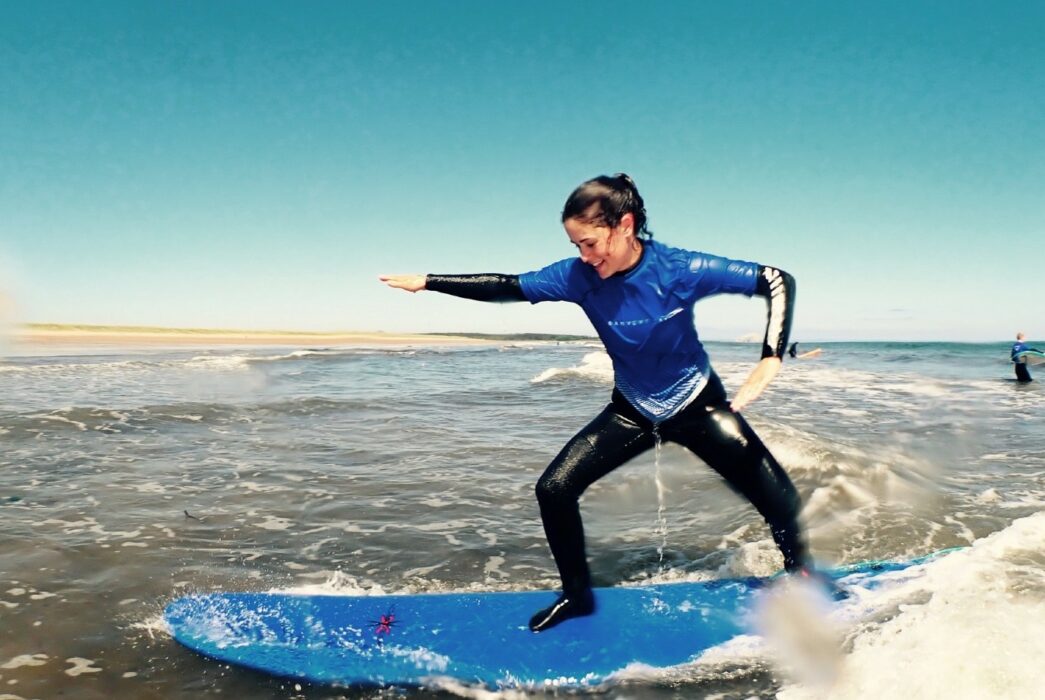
<point>639,296</point>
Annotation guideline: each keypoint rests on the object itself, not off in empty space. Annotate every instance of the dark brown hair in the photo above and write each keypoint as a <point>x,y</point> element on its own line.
<point>603,200</point>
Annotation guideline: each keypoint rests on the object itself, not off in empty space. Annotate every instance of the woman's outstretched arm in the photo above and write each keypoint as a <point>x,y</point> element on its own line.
<point>481,287</point>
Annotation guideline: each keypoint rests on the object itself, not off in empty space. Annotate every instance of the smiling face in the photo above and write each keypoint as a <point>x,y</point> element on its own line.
<point>608,249</point>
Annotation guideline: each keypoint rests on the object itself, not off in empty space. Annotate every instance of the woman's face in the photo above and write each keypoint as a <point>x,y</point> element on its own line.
<point>608,250</point>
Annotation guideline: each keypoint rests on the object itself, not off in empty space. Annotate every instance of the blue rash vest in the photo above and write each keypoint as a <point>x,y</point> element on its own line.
<point>644,317</point>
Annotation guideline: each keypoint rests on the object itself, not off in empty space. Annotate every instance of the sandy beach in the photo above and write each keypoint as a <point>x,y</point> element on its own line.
<point>36,335</point>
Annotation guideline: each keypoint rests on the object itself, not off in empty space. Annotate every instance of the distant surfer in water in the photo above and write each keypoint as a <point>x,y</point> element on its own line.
<point>1022,373</point>
<point>639,295</point>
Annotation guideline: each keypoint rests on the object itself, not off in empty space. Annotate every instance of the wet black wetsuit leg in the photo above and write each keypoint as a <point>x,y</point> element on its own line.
<point>1022,373</point>
<point>707,427</point>
<point>616,435</point>
<point>725,441</point>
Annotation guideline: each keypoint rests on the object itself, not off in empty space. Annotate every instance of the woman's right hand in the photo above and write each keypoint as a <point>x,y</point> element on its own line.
<point>411,283</point>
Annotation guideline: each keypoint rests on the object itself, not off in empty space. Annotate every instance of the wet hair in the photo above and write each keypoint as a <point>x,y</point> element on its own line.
<point>604,200</point>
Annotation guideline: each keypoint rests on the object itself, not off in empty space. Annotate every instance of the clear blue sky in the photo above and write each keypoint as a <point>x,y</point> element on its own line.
<point>257,164</point>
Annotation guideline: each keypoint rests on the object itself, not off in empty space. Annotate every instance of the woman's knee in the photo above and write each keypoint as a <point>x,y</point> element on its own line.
<point>551,491</point>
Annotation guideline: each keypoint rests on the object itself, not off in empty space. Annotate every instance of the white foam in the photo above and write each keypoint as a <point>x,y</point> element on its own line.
<point>149,487</point>
<point>794,620</point>
<point>595,366</point>
<point>965,626</point>
<point>255,487</point>
<point>80,666</point>
<point>493,567</point>
<point>337,583</point>
<point>456,687</point>
<point>760,558</point>
<point>972,627</point>
<point>419,571</point>
<point>26,660</point>
<point>220,362</point>
<point>989,496</point>
<point>62,419</point>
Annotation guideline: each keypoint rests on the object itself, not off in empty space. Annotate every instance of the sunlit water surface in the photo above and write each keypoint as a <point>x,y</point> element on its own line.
<point>128,478</point>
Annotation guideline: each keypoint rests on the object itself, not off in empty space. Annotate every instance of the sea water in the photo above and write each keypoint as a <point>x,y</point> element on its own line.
<point>130,477</point>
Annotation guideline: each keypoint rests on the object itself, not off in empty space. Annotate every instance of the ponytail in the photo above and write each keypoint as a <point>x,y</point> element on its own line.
<point>604,200</point>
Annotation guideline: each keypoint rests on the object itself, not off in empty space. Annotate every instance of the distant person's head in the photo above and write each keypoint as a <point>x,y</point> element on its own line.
<point>605,218</point>
<point>1020,336</point>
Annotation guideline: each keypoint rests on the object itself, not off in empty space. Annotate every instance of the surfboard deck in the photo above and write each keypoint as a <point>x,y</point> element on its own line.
<point>476,638</point>
<point>1030,357</point>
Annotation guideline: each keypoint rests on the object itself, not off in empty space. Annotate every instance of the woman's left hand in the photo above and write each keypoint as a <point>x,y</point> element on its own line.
<point>756,383</point>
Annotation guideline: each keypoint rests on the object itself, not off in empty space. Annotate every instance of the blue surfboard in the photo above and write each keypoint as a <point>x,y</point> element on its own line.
<point>475,638</point>
<point>1030,357</point>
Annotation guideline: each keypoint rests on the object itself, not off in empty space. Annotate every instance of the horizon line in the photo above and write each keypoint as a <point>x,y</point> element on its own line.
<point>130,329</point>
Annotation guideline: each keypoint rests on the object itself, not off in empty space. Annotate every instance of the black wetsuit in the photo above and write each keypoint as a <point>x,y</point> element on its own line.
<point>1022,371</point>
<point>706,426</point>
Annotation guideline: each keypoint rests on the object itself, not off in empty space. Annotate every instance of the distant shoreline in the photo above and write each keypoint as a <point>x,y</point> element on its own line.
<point>79,334</point>
<point>45,334</point>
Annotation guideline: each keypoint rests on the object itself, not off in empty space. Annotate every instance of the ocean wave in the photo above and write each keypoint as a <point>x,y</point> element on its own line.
<point>853,487</point>
<point>114,366</point>
<point>164,417</point>
<point>923,644</point>
<point>332,354</point>
<point>594,366</point>
<point>211,361</point>
<point>907,637</point>
<point>85,419</point>
<point>124,369</point>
